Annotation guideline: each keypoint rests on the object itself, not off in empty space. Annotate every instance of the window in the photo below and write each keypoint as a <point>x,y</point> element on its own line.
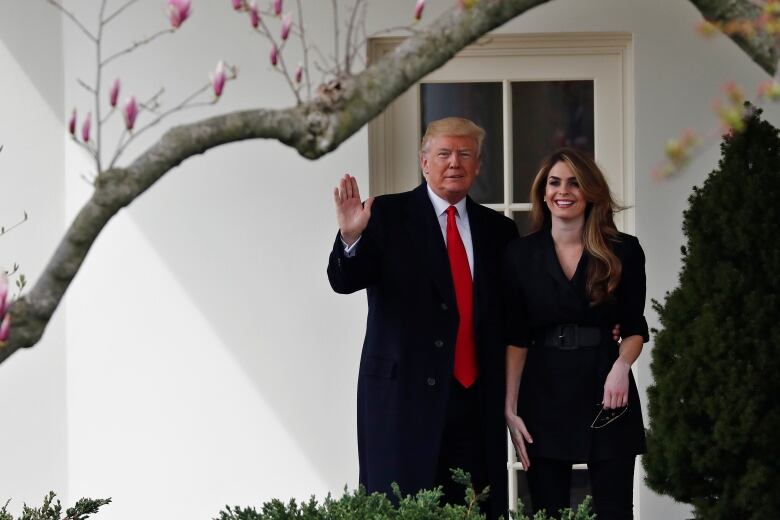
<point>531,93</point>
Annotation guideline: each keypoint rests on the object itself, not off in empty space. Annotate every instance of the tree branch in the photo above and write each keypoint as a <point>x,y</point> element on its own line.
<point>314,128</point>
<point>760,46</point>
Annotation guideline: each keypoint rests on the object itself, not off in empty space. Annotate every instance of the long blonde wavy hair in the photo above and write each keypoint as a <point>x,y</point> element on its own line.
<point>599,231</point>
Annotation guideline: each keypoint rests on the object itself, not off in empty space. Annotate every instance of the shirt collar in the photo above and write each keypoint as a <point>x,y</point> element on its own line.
<point>441,205</point>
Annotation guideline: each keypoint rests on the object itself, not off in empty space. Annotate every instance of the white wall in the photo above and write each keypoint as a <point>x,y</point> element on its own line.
<point>33,442</point>
<point>200,356</point>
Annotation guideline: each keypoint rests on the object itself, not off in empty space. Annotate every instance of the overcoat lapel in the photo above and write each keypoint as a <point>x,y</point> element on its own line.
<point>423,226</point>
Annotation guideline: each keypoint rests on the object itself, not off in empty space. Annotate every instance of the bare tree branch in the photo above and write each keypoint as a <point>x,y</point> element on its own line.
<point>305,48</point>
<point>314,129</point>
<point>335,5</point>
<point>75,20</point>
<point>118,11</point>
<point>135,45</point>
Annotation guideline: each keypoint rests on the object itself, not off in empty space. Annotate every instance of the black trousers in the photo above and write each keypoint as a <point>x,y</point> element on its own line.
<point>462,445</point>
<point>611,484</point>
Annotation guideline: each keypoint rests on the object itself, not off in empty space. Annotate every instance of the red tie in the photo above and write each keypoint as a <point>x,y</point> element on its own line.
<point>465,350</point>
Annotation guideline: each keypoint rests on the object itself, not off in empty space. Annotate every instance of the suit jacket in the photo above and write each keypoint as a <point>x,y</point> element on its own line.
<point>408,353</point>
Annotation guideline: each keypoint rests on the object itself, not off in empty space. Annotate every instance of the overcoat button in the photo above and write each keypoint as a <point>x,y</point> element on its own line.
<point>431,381</point>
<point>438,343</point>
<point>444,306</point>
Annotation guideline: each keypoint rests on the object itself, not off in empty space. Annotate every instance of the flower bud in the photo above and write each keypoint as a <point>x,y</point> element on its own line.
<point>254,14</point>
<point>72,123</point>
<point>274,55</point>
<point>130,111</point>
<point>113,95</point>
<point>286,26</point>
<point>3,293</point>
<point>278,7</point>
<point>86,126</point>
<point>418,9</point>
<point>299,73</point>
<point>178,11</point>
<point>218,79</point>
<point>237,4</point>
<point>5,328</point>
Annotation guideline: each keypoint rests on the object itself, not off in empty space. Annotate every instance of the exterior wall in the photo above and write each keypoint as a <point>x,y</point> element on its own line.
<point>33,441</point>
<point>201,358</point>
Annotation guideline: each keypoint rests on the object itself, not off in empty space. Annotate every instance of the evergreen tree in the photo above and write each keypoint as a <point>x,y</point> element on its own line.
<point>714,418</point>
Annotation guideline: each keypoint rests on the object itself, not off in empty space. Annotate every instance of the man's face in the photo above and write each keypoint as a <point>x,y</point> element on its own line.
<point>450,166</point>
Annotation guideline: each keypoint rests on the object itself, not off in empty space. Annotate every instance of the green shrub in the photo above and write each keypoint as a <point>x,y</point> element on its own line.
<point>714,419</point>
<point>52,510</point>
<point>358,505</point>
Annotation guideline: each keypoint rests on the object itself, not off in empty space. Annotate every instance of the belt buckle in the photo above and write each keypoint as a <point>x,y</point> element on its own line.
<point>568,337</point>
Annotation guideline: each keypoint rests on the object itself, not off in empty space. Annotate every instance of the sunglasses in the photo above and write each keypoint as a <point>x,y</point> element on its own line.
<point>604,417</point>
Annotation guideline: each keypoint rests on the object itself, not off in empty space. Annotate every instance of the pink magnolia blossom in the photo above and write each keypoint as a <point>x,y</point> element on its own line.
<point>113,94</point>
<point>72,123</point>
<point>130,111</point>
<point>86,126</point>
<point>254,14</point>
<point>3,293</point>
<point>237,4</point>
<point>274,55</point>
<point>299,73</point>
<point>5,328</point>
<point>286,26</point>
<point>178,11</point>
<point>418,9</point>
<point>218,79</point>
<point>278,7</point>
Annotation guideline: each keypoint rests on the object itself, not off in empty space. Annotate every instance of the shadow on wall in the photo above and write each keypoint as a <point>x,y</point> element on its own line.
<point>37,47</point>
<point>254,263</point>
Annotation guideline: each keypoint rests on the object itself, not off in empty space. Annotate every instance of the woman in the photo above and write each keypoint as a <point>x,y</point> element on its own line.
<point>570,394</point>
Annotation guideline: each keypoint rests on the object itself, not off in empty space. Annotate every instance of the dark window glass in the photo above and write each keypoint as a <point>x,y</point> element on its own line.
<point>482,103</point>
<point>547,115</point>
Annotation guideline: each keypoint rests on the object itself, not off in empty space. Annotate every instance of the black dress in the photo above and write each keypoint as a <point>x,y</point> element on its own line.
<point>561,390</point>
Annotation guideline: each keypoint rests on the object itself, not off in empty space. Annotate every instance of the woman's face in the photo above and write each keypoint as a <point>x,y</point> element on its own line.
<point>563,195</point>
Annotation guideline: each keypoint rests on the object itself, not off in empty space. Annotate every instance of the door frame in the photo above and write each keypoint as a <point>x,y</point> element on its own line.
<point>383,164</point>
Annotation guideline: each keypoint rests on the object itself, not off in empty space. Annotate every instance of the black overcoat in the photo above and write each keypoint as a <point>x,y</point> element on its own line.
<point>408,352</point>
<point>560,389</point>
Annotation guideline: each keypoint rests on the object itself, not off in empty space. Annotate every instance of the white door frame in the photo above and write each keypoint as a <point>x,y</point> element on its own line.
<point>605,57</point>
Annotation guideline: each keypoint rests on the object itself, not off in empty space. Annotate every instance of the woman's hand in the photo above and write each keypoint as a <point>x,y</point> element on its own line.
<point>520,436</point>
<point>616,385</point>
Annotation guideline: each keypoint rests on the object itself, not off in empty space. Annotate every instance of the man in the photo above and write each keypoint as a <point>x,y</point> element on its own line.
<point>431,381</point>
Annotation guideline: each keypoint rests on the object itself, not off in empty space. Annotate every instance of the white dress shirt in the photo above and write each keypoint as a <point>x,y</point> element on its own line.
<point>461,219</point>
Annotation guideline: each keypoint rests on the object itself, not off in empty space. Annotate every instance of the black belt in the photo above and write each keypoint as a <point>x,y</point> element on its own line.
<point>567,336</point>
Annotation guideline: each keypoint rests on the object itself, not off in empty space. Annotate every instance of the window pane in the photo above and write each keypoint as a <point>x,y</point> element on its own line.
<point>482,103</point>
<point>545,116</point>
<point>522,221</point>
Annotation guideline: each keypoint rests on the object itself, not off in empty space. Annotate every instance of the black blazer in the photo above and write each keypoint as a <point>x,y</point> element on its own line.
<point>408,353</point>
<point>560,389</point>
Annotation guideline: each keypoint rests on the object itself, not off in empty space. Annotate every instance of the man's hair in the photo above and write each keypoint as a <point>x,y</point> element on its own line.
<point>453,126</point>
